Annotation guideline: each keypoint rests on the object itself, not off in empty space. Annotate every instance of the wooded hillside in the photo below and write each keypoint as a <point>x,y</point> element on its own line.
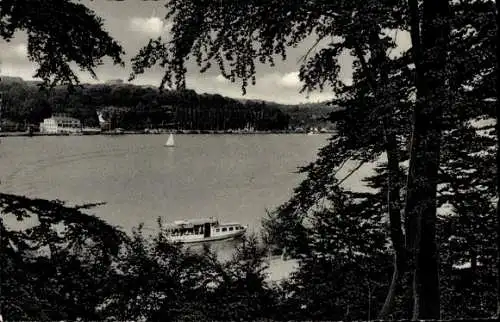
<point>134,107</point>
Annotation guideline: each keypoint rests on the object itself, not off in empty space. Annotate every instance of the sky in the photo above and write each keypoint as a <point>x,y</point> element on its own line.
<point>133,23</point>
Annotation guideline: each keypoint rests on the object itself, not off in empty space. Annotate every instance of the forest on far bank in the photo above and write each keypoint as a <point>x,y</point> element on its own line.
<point>133,107</point>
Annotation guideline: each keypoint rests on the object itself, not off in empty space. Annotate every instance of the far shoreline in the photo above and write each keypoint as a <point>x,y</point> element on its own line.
<point>184,132</point>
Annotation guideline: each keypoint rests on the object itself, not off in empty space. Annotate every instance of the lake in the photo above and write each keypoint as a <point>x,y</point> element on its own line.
<point>233,177</point>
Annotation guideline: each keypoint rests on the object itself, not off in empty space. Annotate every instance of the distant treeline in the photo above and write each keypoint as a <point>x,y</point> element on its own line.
<point>309,115</point>
<point>137,107</point>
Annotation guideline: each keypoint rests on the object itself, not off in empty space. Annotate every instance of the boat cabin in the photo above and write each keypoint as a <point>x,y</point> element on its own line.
<point>192,227</point>
<point>202,229</point>
<point>229,228</point>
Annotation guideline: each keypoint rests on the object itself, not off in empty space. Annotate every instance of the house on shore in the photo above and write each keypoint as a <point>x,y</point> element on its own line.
<point>60,124</point>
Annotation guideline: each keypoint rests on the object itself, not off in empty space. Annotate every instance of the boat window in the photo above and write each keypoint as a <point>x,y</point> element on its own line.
<point>237,228</point>
<point>217,230</point>
<point>230,228</point>
<point>224,229</point>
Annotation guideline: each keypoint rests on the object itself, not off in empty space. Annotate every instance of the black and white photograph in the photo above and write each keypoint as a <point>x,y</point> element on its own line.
<point>249,160</point>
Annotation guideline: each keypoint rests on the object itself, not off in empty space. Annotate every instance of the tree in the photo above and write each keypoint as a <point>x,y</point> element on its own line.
<point>349,242</point>
<point>75,34</point>
<point>430,50</point>
<point>380,105</point>
<point>63,260</point>
<point>155,279</point>
<point>222,36</point>
<point>467,212</point>
<point>497,2</point>
<point>138,108</point>
<point>215,33</point>
<point>238,288</point>
<point>225,38</point>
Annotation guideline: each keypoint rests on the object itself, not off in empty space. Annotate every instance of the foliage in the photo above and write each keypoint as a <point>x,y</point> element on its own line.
<point>213,33</point>
<point>339,235</point>
<point>309,115</point>
<point>467,233</point>
<point>75,35</point>
<point>63,260</point>
<point>31,286</point>
<point>343,275</point>
<point>466,166</point>
<point>74,266</point>
<point>239,290</point>
<point>136,108</point>
<point>154,280</point>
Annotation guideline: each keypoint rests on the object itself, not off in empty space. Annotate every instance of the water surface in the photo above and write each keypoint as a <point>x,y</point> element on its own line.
<point>233,177</point>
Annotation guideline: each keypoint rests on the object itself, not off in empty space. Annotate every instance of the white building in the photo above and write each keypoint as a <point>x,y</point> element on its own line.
<point>61,124</point>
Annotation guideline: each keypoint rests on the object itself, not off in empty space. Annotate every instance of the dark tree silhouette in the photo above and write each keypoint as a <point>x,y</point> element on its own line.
<point>75,34</point>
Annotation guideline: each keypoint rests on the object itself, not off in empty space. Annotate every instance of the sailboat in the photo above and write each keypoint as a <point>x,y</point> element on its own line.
<point>170,141</point>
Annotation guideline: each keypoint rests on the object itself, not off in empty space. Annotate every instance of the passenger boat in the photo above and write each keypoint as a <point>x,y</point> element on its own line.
<point>202,230</point>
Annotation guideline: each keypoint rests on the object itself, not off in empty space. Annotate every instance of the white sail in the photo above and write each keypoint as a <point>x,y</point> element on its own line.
<point>170,140</point>
<point>100,115</point>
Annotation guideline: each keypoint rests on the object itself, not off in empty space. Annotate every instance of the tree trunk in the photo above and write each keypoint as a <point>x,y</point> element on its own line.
<point>498,153</point>
<point>393,184</point>
<point>430,61</point>
<point>397,238</point>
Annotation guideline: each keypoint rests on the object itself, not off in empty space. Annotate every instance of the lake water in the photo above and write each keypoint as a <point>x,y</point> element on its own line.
<point>233,177</point>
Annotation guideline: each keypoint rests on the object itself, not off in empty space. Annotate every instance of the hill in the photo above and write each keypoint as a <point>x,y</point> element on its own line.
<point>135,107</point>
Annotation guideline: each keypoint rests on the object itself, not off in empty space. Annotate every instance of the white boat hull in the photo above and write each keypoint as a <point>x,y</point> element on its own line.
<point>188,239</point>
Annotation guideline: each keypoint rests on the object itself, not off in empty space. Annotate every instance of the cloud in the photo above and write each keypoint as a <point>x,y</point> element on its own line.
<point>270,87</point>
<point>221,79</point>
<point>14,60</point>
<point>25,70</point>
<point>19,51</point>
<point>317,97</point>
<point>271,80</point>
<point>290,80</point>
<point>133,23</point>
<point>152,26</point>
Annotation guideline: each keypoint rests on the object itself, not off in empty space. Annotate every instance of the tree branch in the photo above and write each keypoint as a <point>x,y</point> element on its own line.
<point>304,57</point>
<point>361,163</point>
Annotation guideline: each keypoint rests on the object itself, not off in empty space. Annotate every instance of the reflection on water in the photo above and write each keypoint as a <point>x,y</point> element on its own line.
<point>278,269</point>
<point>223,248</point>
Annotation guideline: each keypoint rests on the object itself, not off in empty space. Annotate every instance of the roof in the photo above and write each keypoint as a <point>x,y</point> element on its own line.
<point>230,224</point>
<point>191,222</point>
<point>64,118</point>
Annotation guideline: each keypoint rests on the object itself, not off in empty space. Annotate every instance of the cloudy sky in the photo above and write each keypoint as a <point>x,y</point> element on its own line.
<point>132,23</point>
